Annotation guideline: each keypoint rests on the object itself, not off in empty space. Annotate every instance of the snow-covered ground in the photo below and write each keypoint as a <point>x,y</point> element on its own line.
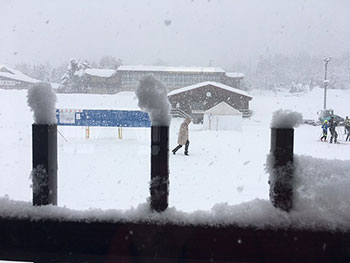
<point>110,173</point>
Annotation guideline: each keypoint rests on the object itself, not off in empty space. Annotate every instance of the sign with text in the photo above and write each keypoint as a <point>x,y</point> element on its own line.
<point>102,118</point>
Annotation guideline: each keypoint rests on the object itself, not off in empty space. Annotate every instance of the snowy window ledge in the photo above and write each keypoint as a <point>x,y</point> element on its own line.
<point>321,202</point>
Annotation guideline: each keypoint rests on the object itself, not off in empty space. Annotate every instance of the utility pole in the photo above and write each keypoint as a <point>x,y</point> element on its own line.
<point>326,60</point>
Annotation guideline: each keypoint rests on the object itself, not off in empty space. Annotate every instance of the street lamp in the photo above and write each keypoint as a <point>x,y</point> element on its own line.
<point>326,60</point>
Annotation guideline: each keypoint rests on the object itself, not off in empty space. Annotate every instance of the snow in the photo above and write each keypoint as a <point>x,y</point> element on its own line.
<point>258,212</point>
<point>39,173</point>
<point>103,73</point>
<point>286,119</point>
<point>205,83</point>
<point>7,72</point>
<point>170,69</point>
<point>306,103</point>
<point>322,190</point>
<point>235,75</point>
<point>320,202</point>
<point>223,181</point>
<point>42,101</point>
<point>152,95</point>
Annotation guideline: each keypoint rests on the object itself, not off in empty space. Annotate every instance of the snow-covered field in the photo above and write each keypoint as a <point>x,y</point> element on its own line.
<point>110,173</point>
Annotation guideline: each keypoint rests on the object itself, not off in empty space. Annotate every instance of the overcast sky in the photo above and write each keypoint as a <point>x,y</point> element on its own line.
<point>179,32</point>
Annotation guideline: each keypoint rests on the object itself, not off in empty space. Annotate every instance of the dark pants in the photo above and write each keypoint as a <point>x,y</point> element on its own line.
<point>334,135</point>
<point>324,135</point>
<point>179,146</point>
<point>348,131</point>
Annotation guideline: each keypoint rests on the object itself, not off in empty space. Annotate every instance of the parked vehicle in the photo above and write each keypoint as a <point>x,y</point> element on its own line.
<point>327,114</point>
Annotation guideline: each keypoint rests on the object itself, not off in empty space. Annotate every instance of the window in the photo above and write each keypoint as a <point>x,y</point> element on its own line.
<point>278,54</point>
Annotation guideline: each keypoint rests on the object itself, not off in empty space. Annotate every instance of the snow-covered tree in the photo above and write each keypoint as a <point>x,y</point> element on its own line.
<point>57,73</point>
<point>73,80</point>
<point>303,69</point>
<point>283,71</point>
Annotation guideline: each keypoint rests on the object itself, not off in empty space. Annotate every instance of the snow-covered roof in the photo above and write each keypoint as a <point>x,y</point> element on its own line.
<point>234,75</point>
<point>103,73</point>
<point>170,69</point>
<point>223,109</point>
<point>205,83</point>
<point>7,72</point>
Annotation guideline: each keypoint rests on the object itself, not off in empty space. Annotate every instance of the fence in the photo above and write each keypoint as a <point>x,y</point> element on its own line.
<point>50,240</point>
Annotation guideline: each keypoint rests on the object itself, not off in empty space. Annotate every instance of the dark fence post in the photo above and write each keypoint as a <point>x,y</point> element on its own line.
<point>44,174</point>
<point>281,177</point>
<point>159,168</point>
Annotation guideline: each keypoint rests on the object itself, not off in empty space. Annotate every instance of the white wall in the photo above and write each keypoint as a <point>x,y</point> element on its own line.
<point>222,122</point>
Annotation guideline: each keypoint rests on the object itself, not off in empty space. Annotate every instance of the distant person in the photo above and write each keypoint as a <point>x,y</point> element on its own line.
<point>183,136</point>
<point>347,128</point>
<point>332,126</point>
<point>324,131</point>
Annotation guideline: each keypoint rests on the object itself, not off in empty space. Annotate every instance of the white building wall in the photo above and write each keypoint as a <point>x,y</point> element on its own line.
<point>222,122</point>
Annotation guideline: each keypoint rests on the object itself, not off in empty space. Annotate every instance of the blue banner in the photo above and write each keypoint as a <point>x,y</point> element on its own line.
<point>102,118</point>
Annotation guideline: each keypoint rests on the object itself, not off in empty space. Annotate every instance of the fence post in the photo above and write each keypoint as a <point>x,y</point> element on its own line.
<point>120,133</point>
<point>281,177</point>
<point>159,187</point>
<point>44,174</point>
<point>87,132</point>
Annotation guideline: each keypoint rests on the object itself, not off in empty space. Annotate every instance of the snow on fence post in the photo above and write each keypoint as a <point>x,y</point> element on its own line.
<point>152,95</point>
<point>42,99</point>
<point>281,158</point>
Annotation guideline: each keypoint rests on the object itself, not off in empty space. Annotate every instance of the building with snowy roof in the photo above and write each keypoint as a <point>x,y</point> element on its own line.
<point>90,80</point>
<point>195,99</point>
<point>99,81</point>
<point>14,79</point>
<point>128,76</point>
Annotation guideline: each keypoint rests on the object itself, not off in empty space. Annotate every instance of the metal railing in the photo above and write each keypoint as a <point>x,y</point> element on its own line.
<point>176,112</point>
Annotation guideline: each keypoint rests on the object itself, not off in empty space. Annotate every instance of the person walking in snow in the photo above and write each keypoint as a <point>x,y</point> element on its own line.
<point>183,136</point>
<point>324,131</point>
<point>332,126</point>
<point>347,128</point>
